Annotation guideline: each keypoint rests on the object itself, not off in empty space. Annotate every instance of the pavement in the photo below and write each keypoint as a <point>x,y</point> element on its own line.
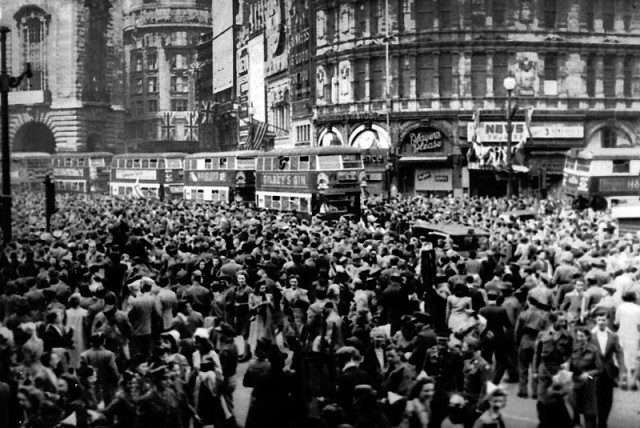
<point>520,412</point>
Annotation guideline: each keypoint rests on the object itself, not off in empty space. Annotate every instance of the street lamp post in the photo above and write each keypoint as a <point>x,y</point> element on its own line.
<point>6,83</point>
<point>509,85</point>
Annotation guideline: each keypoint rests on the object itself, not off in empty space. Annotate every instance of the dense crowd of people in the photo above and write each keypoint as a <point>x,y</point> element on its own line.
<point>137,313</point>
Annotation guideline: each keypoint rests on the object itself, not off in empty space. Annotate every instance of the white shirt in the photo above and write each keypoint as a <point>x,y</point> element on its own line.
<point>602,336</point>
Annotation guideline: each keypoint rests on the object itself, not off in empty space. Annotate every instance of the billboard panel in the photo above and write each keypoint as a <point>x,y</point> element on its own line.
<point>222,11</point>
<point>255,49</point>
<point>222,61</point>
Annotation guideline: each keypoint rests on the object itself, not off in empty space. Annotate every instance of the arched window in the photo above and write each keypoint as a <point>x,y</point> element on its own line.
<point>33,26</point>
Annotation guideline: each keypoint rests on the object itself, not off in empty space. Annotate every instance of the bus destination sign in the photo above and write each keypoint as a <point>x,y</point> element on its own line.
<point>620,185</point>
<point>298,181</point>
<point>68,172</point>
<point>135,174</point>
<point>209,176</point>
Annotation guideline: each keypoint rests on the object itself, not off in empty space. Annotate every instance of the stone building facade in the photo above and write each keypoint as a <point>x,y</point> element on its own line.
<point>576,65</point>
<point>74,102</point>
<point>160,45</point>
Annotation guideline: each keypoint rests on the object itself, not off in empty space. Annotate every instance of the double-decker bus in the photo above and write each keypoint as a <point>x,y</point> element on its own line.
<point>153,175</point>
<point>310,181</point>
<point>28,169</point>
<point>601,178</point>
<point>77,172</point>
<point>220,177</point>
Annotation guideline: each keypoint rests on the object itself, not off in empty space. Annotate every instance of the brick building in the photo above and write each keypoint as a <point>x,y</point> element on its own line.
<point>160,45</point>
<point>575,62</point>
<point>74,102</point>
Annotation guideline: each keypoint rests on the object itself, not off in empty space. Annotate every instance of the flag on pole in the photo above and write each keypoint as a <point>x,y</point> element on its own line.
<point>191,128</point>
<point>257,135</point>
<point>528,117</point>
<point>207,112</point>
<point>137,191</point>
<point>167,126</point>
<point>476,125</point>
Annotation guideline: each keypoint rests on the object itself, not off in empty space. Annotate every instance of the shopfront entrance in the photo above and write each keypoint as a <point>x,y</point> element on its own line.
<point>424,162</point>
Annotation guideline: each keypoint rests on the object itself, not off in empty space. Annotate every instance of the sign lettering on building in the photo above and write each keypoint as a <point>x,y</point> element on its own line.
<point>285,180</point>
<point>425,140</point>
<point>496,132</point>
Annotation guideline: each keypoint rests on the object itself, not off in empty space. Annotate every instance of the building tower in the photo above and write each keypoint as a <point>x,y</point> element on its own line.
<point>160,44</point>
<point>74,102</point>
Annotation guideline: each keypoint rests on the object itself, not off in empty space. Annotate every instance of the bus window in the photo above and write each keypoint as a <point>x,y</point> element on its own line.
<point>200,195</point>
<point>294,203</point>
<point>129,163</point>
<point>304,205</point>
<point>293,163</point>
<point>267,164</point>
<point>174,164</point>
<point>275,202</point>
<point>160,163</point>
<point>68,162</point>
<point>303,163</point>
<point>153,163</point>
<point>285,204</point>
<point>328,162</point>
<point>145,163</point>
<point>223,163</point>
<point>208,164</point>
<point>351,161</point>
<point>81,162</point>
<point>136,163</point>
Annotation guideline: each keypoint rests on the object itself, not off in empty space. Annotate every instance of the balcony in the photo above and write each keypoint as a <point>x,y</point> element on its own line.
<point>372,110</point>
<point>168,16</point>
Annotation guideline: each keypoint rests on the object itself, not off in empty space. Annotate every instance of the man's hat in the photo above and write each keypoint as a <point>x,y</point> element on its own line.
<point>422,317</point>
<point>226,329</point>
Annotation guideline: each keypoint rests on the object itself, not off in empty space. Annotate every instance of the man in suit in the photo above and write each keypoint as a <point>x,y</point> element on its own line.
<point>497,325</point>
<point>425,340</point>
<point>141,312</point>
<point>103,362</point>
<point>612,357</point>
<point>351,375</point>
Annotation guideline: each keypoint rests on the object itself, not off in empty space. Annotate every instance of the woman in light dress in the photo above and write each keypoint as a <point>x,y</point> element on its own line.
<point>457,306</point>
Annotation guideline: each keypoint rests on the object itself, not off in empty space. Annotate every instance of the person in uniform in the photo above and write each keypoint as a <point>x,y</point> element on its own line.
<point>530,322</point>
<point>552,349</point>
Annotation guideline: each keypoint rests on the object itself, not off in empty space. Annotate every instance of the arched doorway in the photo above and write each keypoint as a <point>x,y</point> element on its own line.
<point>34,137</point>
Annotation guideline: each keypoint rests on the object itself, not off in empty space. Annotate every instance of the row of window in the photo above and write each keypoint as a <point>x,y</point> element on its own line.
<point>179,84</point>
<point>433,74</point>
<point>177,104</point>
<point>370,16</point>
<point>301,204</point>
<point>148,163</point>
<point>71,185</point>
<point>213,195</point>
<point>179,61</point>
<point>619,166</point>
<point>80,162</point>
<point>303,134</point>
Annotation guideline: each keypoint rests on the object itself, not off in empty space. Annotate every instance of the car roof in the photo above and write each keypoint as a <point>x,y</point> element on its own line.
<point>453,229</point>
